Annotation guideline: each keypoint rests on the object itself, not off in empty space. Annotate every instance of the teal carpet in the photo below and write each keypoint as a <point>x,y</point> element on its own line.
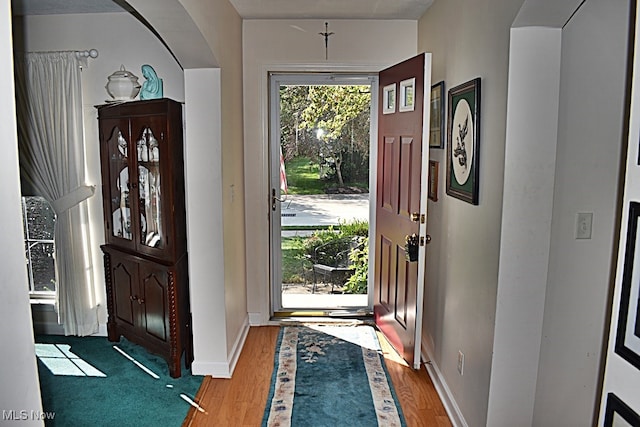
<point>330,376</point>
<point>86,382</point>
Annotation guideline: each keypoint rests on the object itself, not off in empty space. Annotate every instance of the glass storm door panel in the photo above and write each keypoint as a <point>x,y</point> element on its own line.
<point>149,189</point>
<point>119,186</point>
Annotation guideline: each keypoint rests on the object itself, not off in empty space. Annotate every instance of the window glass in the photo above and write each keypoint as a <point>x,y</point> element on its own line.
<point>38,224</point>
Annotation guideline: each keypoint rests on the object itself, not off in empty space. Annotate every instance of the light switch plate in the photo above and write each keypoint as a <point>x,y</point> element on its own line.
<point>584,222</point>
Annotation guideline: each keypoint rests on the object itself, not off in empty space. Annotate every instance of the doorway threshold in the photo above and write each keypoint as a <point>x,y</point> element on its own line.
<point>333,316</point>
<point>323,302</point>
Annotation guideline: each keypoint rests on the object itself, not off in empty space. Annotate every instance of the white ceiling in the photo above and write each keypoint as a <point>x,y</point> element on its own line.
<point>331,9</point>
<point>55,7</point>
<point>253,9</point>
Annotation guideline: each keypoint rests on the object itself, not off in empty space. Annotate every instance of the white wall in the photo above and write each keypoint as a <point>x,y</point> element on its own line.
<point>472,282</point>
<point>622,378</point>
<point>204,188</point>
<point>120,40</point>
<point>18,373</point>
<point>468,39</point>
<point>534,76</point>
<point>295,45</point>
<point>221,26</point>
<point>592,89</point>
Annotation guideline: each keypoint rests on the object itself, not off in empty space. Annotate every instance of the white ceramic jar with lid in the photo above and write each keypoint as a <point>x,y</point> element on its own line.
<point>123,85</point>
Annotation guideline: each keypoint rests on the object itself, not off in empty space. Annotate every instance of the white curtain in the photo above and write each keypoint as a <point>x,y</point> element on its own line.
<point>51,146</point>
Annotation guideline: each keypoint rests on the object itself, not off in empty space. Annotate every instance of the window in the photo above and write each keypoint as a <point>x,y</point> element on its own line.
<point>38,223</point>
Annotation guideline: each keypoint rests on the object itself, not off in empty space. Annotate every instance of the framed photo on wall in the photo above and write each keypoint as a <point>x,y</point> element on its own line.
<point>433,180</point>
<point>436,122</point>
<point>407,95</point>
<point>389,99</point>
<point>463,134</point>
<point>619,414</point>
<point>628,331</point>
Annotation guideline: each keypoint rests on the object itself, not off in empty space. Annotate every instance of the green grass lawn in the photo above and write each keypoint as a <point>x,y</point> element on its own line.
<point>293,259</point>
<point>303,176</point>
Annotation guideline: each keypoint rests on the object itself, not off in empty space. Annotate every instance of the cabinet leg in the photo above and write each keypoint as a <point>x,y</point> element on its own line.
<point>174,368</point>
<point>112,333</point>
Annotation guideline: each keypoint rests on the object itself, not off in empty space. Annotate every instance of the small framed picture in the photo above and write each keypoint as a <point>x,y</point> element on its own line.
<point>433,180</point>
<point>436,121</point>
<point>407,95</point>
<point>619,414</point>
<point>389,99</point>
<point>463,163</point>
<point>627,342</point>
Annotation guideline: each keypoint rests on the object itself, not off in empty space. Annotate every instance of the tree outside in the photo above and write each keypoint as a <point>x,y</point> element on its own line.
<point>326,128</point>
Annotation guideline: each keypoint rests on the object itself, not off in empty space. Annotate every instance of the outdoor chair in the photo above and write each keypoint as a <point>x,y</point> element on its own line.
<point>331,261</point>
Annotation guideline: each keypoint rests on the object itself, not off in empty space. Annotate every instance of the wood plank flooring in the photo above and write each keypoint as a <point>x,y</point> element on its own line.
<point>241,400</point>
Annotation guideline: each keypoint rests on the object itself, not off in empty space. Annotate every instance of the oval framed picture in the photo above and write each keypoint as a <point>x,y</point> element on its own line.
<point>463,135</point>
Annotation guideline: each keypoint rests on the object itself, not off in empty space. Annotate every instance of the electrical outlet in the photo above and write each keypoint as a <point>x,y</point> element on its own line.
<point>584,221</point>
<point>460,362</point>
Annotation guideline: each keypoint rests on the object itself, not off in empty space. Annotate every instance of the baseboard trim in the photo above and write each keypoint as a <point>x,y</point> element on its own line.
<point>238,345</point>
<point>448,401</point>
<point>221,369</point>
<point>215,369</point>
<point>257,319</point>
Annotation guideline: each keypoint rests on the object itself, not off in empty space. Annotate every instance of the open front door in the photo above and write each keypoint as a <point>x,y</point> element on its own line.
<point>403,158</point>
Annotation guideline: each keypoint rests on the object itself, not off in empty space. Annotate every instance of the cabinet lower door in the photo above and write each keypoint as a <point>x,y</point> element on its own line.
<point>154,288</point>
<point>124,279</point>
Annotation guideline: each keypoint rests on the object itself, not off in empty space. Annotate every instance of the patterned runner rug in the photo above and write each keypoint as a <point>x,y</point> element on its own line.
<point>330,376</point>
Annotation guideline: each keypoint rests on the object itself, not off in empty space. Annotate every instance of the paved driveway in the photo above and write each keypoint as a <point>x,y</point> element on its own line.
<point>324,209</point>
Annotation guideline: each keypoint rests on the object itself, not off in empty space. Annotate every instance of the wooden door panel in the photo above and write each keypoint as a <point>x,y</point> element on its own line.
<point>385,270</point>
<point>388,189</point>
<point>400,304</point>
<point>407,203</point>
<point>154,290</point>
<point>124,290</point>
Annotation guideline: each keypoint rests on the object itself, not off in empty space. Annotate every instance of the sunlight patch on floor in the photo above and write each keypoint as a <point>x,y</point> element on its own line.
<point>350,334</point>
<point>60,360</point>
<point>389,353</point>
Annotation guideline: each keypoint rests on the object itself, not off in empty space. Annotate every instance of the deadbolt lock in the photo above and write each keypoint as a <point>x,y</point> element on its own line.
<point>417,217</point>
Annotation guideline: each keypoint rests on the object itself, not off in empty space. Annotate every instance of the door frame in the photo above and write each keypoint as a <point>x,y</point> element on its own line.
<point>274,80</point>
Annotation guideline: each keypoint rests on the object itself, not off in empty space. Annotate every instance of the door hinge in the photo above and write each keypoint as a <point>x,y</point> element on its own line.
<point>421,241</point>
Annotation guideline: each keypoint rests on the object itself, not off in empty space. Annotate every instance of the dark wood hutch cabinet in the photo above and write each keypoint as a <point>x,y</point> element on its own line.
<point>145,254</point>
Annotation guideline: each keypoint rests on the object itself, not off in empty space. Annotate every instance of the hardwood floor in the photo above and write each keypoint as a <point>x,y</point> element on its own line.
<point>241,400</point>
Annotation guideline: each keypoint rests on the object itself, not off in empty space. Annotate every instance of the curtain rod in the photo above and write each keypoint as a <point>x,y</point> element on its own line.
<point>91,53</point>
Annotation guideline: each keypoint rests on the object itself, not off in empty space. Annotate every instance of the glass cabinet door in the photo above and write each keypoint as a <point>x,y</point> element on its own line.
<point>149,189</point>
<point>118,151</point>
